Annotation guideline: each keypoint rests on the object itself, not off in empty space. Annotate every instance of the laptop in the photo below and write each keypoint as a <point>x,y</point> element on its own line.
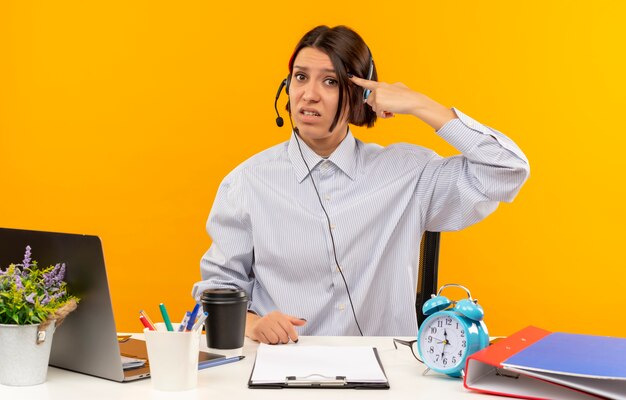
<point>86,342</point>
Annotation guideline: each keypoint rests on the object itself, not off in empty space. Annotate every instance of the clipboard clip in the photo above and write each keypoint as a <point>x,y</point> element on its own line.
<point>315,380</point>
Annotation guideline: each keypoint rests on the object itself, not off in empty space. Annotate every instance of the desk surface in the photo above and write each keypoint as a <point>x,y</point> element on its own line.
<point>229,381</point>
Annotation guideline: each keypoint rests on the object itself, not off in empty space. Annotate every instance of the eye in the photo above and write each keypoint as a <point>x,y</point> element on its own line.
<point>300,76</point>
<point>331,82</point>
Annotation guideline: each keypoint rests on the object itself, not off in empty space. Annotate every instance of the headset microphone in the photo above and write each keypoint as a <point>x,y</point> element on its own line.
<point>279,119</point>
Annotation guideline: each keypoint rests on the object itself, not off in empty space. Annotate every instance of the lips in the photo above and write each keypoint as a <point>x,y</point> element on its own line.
<point>310,112</point>
<point>309,116</point>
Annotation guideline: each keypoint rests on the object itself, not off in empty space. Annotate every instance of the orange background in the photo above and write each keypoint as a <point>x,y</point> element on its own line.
<point>120,119</point>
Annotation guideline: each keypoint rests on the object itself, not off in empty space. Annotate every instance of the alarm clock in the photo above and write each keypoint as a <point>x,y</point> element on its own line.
<point>451,333</point>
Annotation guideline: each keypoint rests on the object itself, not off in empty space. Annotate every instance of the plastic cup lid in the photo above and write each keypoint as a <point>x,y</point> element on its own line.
<point>223,294</point>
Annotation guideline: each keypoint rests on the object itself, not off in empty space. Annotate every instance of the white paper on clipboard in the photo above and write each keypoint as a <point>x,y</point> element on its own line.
<point>274,364</point>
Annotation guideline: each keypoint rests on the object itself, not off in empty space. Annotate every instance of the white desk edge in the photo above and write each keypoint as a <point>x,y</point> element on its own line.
<point>230,381</point>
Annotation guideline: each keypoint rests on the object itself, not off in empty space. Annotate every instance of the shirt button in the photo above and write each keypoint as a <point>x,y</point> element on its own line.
<point>341,307</point>
<point>327,197</point>
<point>332,226</point>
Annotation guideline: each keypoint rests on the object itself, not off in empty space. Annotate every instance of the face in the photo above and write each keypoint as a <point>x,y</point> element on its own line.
<point>313,97</point>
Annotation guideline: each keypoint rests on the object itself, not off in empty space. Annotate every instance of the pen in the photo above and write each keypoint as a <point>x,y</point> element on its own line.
<point>200,321</point>
<point>166,318</point>
<point>148,320</point>
<point>145,322</point>
<point>183,323</point>
<point>219,361</point>
<point>192,317</point>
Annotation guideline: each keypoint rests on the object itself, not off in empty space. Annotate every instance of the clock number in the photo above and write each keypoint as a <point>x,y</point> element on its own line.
<point>453,360</point>
<point>448,321</point>
<point>460,353</point>
<point>433,330</point>
<point>463,343</point>
<point>444,361</point>
<point>430,339</point>
<point>439,324</point>
<point>431,349</point>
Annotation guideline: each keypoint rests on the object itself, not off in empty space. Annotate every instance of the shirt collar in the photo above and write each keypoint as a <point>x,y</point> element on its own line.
<point>344,157</point>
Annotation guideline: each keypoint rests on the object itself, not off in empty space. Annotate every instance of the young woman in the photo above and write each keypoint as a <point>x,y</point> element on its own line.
<point>323,231</point>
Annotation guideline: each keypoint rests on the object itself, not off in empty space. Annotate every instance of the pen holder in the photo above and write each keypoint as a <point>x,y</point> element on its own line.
<point>173,358</point>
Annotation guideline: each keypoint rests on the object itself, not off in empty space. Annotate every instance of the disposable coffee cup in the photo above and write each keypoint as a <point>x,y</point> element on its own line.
<point>226,323</point>
<point>173,358</point>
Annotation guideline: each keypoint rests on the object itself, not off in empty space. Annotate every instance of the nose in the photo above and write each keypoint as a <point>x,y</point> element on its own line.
<point>311,92</point>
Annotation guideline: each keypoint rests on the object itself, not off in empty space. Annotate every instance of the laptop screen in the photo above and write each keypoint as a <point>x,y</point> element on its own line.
<point>87,340</point>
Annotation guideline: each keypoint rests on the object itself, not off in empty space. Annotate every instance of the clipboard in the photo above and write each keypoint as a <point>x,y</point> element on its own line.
<point>317,367</point>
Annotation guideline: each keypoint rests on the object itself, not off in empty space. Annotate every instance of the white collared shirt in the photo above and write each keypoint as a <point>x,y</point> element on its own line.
<point>271,238</point>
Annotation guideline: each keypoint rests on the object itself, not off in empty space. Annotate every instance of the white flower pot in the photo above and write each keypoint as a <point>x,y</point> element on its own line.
<point>23,362</point>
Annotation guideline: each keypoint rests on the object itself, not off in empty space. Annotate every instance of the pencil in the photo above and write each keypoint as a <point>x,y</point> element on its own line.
<point>148,320</point>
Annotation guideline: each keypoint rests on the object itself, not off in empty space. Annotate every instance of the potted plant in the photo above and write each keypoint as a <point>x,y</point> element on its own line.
<point>33,302</point>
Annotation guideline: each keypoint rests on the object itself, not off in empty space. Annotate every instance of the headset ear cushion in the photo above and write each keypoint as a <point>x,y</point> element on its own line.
<point>288,83</point>
<point>470,309</point>
<point>435,304</point>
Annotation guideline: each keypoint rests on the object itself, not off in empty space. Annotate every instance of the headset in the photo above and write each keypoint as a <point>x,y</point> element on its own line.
<point>279,121</point>
<point>283,83</point>
<point>367,92</point>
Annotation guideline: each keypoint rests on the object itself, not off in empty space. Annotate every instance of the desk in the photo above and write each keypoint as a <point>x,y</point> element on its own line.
<point>229,382</point>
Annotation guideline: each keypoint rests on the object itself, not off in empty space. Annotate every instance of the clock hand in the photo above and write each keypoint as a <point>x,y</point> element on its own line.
<point>445,335</point>
<point>445,342</point>
<point>439,340</point>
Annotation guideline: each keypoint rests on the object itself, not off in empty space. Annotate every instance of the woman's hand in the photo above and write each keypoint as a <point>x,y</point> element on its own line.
<point>388,99</point>
<point>273,328</point>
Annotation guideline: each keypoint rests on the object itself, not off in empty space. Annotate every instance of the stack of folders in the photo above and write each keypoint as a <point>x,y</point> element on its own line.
<point>537,364</point>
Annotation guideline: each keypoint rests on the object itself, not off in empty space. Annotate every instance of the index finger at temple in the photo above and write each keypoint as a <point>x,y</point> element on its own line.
<point>364,82</point>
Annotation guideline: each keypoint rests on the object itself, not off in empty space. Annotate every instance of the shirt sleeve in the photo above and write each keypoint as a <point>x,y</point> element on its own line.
<point>228,262</point>
<point>461,190</point>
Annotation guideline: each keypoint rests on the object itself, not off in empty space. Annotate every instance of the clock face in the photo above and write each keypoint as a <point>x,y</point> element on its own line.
<point>443,342</point>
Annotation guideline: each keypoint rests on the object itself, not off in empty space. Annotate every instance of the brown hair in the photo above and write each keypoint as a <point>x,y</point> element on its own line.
<point>349,54</point>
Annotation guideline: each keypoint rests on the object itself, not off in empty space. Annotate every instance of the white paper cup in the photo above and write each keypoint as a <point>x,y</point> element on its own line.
<point>173,358</point>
